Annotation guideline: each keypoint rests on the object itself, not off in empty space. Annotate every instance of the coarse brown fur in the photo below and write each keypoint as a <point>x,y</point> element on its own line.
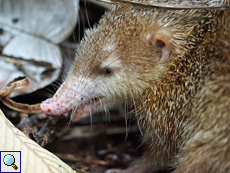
<point>183,102</point>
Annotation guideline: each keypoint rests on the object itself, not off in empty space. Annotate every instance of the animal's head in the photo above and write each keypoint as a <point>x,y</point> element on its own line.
<point>129,50</point>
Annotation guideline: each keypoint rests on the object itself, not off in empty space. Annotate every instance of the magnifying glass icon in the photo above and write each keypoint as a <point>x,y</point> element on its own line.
<point>9,160</point>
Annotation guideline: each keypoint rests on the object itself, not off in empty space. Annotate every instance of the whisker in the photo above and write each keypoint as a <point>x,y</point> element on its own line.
<point>58,83</point>
<point>50,91</point>
<point>79,25</point>
<point>55,86</point>
<point>135,109</point>
<point>126,122</point>
<point>107,114</point>
<point>91,117</point>
<point>87,16</point>
<point>71,116</point>
<point>141,144</point>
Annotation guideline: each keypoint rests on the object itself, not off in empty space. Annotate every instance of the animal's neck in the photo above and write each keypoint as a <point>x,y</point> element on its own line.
<point>165,109</point>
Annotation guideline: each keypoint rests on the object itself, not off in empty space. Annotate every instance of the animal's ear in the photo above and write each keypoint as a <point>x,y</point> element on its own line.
<point>162,38</point>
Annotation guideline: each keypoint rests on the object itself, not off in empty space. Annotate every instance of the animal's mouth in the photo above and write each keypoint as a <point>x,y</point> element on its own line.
<point>88,108</point>
<point>56,106</point>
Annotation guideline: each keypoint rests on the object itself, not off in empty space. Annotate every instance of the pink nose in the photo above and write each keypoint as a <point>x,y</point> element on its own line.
<point>53,107</point>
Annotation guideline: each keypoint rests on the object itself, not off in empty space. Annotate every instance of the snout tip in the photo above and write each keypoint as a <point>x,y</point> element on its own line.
<point>46,107</point>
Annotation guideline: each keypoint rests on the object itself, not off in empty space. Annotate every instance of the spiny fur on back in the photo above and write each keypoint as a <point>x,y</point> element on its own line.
<point>170,106</point>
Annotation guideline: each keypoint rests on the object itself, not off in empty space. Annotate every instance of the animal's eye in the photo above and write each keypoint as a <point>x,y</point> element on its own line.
<point>108,71</point>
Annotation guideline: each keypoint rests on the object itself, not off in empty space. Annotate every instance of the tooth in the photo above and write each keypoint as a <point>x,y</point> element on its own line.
<point>79,111</point>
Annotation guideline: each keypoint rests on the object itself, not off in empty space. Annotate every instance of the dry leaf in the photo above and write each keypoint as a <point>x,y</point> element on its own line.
<point>173,4</point>
<point>33,157</point>
<point>21,107</point>
<point>32,29</point>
